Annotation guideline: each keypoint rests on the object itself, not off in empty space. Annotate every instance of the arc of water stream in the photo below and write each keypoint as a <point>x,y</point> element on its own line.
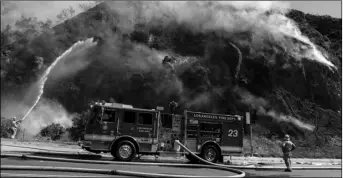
<point>239,61</point>
<point>47,72</point>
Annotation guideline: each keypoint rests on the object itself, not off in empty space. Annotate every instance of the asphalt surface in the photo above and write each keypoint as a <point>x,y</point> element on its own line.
<point>294,173</point>
<point>154,169</point>
<point>134,168</point>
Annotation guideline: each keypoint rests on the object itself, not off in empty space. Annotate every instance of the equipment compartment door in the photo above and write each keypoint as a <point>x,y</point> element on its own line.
<point>232,137</point>
<point>127,123</point>
<point>141,126</point>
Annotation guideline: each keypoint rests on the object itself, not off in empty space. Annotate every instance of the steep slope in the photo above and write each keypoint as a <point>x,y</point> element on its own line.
<point>277,76</point>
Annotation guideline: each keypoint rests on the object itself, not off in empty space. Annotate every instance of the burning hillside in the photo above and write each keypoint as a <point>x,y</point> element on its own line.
<point>222,53</point>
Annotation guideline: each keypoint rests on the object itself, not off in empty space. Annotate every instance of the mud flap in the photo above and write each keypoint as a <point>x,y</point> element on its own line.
<point>221,159</point>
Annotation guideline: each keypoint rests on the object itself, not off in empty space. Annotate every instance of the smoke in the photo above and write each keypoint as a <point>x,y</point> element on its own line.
<point>261,104</point>
<point>250,99</point>
<point>200,100</point>
<point>72,61</point>
<point>11,11</point>
<point>122,55</point>
<point>264,20</point>
<point>44,114</point>
<point>201,16</point>
<point>288,119</point>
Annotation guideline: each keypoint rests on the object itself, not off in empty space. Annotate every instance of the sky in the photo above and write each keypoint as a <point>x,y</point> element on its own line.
<point>332,8</point>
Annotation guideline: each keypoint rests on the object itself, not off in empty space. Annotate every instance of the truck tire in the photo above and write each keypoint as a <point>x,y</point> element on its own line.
<point>210,153</point>
<point>124,151</point>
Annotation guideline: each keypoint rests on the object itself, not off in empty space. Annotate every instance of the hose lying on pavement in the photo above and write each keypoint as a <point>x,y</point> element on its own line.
<point>113,172</point>
<point>54,176</point>
<point>260,168</point>
<point>100,171</point>
<point>159,164</point>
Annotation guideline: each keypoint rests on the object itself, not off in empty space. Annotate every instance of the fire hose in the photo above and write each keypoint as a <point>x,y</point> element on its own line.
<point>100,171</point>
<point>119,172</point>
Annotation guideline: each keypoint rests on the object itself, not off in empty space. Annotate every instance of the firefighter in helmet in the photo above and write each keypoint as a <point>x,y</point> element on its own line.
<point>14,127</point>
<point>287,148</point>
<point>173,105</point>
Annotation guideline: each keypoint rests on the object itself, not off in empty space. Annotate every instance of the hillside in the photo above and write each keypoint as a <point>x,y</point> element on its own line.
<point>206,74</point>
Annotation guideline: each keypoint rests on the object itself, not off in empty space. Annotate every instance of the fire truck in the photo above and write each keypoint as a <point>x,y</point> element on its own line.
<point>125,132</point>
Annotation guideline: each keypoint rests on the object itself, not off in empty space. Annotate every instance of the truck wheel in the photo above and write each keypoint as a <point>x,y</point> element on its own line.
<point>210,153</point>
<point>124,151</point>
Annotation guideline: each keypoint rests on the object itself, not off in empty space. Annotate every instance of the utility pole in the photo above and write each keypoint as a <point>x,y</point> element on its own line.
<point>251,147</point>
<point>247,116</point>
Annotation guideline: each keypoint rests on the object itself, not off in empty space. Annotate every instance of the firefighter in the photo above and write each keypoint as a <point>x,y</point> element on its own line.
<point>173,105</point>
<point>14,127</point>
<point>287,148</point>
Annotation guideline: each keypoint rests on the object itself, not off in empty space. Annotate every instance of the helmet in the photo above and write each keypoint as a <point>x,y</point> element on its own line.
<point>14,118</point>
<point>286,137</point>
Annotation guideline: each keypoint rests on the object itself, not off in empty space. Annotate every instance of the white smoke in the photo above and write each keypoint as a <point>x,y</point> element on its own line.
<point>200,100</point>
<point>287,119</point>
<point>77,51</point>
<point>226,16</point>
<point>45,113</point>
<point>72,60</point>
<point>11,11</point>
<point>261,104</point>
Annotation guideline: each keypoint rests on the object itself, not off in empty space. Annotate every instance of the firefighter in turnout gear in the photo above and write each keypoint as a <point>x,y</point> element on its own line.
<point>287,148</point>
<point>14,127</point>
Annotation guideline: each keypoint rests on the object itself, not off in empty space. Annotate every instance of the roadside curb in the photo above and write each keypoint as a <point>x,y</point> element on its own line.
<point>35,148</point>
<point>280,160</point>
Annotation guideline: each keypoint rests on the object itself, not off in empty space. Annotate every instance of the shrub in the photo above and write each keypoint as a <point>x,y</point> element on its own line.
<point>54,131</point>
<point>5,128</point>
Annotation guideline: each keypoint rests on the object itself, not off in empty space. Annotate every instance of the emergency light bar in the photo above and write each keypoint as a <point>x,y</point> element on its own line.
<point>116,105</point>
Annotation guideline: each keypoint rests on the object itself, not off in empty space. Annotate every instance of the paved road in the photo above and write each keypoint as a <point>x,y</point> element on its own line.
<point>295,173</point>
<point>135,168</point>
<point>158,169</point>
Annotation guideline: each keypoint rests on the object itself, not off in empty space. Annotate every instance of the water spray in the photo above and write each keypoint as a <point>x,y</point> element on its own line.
<point>314,53</point>
<point>87,43</point>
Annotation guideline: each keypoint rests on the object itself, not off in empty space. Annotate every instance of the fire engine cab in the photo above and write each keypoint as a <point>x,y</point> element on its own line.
<point>125,132</point>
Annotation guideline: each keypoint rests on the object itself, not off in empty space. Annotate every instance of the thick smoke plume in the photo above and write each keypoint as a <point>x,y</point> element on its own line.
<point>263,106</point>
<point>45,113</point>
<point>265,21</point>
<point>121,55</point>
<point>78,53</point>
<point>11,11</point>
